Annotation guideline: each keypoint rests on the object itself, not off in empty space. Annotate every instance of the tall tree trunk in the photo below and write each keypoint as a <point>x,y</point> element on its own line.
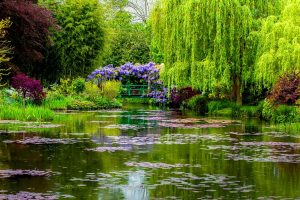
<point>236,90</point>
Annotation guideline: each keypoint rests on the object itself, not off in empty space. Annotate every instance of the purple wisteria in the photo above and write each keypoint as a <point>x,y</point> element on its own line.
<point>127,72</point>
<point>135,75</point>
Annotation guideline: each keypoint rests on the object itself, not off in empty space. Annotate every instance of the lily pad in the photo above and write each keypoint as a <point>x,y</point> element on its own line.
<point>21,173</point>
<point>109,149</point>
<point>39,140</point>
<point>157,165</point>
<point>27,196</point>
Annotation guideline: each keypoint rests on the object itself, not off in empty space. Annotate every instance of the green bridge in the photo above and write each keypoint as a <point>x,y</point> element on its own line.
<point>134,90</point>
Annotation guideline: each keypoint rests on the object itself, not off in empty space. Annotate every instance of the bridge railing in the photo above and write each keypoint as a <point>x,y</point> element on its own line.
<point>134,90</point>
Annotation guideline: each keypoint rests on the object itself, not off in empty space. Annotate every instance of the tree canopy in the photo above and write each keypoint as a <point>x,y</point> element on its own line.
<point>208,43</point>
<point>29,32</point>
<point>279,45</point>
<point>80,38</point>
<point>125,39</point>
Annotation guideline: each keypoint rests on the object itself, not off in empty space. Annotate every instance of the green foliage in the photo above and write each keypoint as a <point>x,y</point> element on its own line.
<point>77,104</point>
<point>136,100</point>
<point>267,111</point>
<point>286,114</point>
<point>249,111</point>
<point>279,45</point>
<point>125,40</point>
<point>58,102</point>
<point>92,91</point>
<point>214,106</point>
<point>97,103</point>
<point>111,89</point>
<point>207,43</point>
<point>104,103</point>
<point>81,38</point>
<point>32,113</point>
<point>198,103</point>
<point>78,85</point>
<point>280,114</point>
<point>59,90</point>
<point>4,49</point>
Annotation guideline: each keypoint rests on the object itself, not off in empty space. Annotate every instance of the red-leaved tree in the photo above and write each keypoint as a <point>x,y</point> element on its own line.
<point>30,29</point>
<point>286,90</point>
<point>28,88</point>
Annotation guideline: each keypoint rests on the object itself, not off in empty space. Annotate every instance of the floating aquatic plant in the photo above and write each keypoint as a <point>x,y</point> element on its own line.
<point>19,173</point>
<point>109,149</point>
<point>39,140</point>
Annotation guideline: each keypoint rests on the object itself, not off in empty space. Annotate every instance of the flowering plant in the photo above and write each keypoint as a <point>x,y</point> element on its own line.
<point>133,74</point>
<point>126,73</point>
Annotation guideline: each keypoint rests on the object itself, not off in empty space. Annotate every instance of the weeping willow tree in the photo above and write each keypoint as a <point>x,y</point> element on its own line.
<point>279,46</point>
<point>208,43</point>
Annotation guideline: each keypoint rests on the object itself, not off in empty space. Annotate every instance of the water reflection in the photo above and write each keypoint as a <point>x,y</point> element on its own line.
<point>135,189</point>
<point>169,155</point>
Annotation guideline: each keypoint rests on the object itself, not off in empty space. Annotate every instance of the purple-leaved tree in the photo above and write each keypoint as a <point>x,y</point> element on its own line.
<point>28,88</point>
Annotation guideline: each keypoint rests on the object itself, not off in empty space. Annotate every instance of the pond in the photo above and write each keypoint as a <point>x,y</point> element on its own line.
<point>147,153</point>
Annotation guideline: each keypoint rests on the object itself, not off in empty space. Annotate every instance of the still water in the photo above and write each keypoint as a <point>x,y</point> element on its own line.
<point>147,153</point>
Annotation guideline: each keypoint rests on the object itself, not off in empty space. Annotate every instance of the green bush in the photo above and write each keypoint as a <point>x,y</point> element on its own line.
<point>280,114</point>
<point>198,103</point>
<point>267,111</point>
<point>136,100</point>
<point>77,104</point>
<point>78,85</point>
<point>111,89</point>
<point>249,111</point>
<point>92,91</point>
<point>215,106</point>
<point>104,103</point>
<point>285,114</point>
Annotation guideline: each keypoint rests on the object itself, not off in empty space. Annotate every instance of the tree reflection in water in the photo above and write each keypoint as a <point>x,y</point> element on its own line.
<point>135,189</point>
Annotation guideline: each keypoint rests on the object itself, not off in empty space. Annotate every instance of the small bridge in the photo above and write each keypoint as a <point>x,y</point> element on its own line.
<point>134,90</point>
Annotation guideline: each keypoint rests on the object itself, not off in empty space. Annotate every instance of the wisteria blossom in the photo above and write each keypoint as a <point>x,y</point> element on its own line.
<point>133,74</point>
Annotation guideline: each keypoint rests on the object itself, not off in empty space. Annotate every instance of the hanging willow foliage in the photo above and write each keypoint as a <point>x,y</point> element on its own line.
<point>279,49</point>
<point>206,43</point>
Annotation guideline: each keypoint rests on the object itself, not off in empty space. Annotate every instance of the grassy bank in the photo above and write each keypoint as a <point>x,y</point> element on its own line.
<point>264,110</point>
<point>30,113</point>
<point>136,100</point>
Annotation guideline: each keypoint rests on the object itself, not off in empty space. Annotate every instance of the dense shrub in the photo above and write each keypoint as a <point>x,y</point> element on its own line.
<point>267,111</point>
<point>92,91</point>
<point>214,106</point>
<point>286,90</point>
<point>28,88</point>
<point>104,103</point>
<point>111,89</point>
<point>82,105</point>
<point>78,85</point>
<point>178,96</point>
<point>198,103</point>
<point>279,114</point>
<point>285,114</point>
